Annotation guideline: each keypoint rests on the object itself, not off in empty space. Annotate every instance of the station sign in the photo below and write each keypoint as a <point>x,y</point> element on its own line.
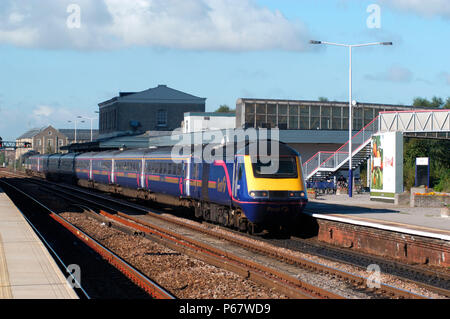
<point>422,161</point>
<point>422,171</point>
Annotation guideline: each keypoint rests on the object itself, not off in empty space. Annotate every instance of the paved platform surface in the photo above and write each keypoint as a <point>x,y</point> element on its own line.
<point>424,221</point>
<point>27,270</point>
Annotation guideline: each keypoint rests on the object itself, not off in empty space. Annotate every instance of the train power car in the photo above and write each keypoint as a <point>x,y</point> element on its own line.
<point>232,190</point>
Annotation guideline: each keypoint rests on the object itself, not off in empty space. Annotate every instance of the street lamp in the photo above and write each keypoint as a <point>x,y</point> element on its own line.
<point>76,120</point>
<point>91,119</point>
<point>350,47</point>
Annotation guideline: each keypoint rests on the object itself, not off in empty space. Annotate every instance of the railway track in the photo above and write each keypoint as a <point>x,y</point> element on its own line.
<point>145,283</point>
<point>119,212</point>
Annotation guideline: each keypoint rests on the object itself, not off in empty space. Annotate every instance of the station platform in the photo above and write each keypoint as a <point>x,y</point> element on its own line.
<point>416,235</point>
<point>27,270</point>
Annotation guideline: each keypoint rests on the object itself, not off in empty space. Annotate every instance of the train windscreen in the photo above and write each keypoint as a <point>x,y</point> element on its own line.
<point>282,167</point>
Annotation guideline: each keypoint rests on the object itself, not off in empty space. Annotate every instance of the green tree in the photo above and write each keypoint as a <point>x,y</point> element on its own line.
<point>224,109</point>
<point>323,99</point>
<point>437,151</point>
<point>447,103</point>
<point>435,103</point>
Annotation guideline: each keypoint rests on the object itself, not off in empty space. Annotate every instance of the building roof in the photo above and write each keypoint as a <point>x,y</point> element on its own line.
<point>211,114</point>
<point>160,94</point>
<point>31,133</point>
<point>325,103</point>
<point>82,134</point>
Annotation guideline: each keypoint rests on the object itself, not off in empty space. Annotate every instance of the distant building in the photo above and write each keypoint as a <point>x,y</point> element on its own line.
<point>50,140</point>
<point>157,109</point>
<point>198,122</point>
<point>307,115</point>
<point>309,126</point>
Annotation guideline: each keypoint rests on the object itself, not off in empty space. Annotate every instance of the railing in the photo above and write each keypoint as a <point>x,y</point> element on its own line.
<point>331,161</point>
<point>310,166</point>
<point>405,121</point>
<point>415,121</point>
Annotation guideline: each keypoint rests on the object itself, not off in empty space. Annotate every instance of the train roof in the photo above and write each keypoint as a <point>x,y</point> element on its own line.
<point>227,150</point>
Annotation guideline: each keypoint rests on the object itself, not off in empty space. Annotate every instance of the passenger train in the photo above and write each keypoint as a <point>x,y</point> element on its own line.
<point>232,191</point>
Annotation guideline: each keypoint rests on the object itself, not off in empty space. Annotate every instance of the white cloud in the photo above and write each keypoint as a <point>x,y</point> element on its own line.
<point>181,24</point>
<point>427,8</point>
<point>43,110</point>
<point>394,74</point>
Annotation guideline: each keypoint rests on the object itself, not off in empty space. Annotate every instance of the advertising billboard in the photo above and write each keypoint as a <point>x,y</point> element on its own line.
<point>386,169</point>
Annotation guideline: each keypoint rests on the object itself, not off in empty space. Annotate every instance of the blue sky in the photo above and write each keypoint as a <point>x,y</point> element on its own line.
<point>218,49</point>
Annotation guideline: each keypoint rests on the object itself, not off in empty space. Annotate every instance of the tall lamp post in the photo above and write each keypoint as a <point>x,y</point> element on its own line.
<point>91,119</point>
<point>350,118</point>
<point>76,120</point>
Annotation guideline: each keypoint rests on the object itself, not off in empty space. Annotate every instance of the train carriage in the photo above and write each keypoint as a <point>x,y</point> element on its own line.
<point>53,166</point>
<point>128,169</point>
<point>270,197</point>
<point>234,190</point>
<point>66,170</point>
<point>83,166</point>
<point>164,173</point>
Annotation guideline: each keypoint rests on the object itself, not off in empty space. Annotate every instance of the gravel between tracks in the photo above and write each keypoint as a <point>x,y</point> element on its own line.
<point>190,278</point>
<point>385,278</point>
<point>184,276</point>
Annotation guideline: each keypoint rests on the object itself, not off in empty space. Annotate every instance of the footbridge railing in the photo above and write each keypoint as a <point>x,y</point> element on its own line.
<point>417,121</point>
<point>332,161</point>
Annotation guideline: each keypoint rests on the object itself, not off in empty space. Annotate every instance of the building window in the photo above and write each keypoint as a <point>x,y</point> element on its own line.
<point>250,114</point>
<point>49,132</point>
<point>162,118</point>
<point>61,142</point>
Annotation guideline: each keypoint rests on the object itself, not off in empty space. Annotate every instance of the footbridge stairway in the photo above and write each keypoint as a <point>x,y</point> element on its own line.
<point>325,164</point>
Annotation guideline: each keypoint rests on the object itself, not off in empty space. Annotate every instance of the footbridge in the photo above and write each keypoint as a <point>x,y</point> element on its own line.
<point>421,123</point>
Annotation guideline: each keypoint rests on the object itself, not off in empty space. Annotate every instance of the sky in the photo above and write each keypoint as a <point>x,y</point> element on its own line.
<point>60,58</point>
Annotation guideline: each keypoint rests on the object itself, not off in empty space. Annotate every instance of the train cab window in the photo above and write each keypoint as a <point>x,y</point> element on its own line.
<point>286,168</point>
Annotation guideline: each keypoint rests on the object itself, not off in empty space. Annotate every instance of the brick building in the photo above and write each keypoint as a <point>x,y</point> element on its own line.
<point>157,109</point>
<point>50,140</point>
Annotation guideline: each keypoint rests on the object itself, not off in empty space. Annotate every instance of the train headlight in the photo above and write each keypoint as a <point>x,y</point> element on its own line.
<point>296,194</point>
<point>259,194</point>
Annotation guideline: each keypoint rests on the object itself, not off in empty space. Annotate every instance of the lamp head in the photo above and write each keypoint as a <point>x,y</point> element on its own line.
<point>315,42</point>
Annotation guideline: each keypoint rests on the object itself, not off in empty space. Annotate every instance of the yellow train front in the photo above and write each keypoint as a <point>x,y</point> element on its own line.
<point>270,193</point>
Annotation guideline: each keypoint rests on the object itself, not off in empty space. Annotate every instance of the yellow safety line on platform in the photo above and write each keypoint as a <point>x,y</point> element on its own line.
<point>5,287</point>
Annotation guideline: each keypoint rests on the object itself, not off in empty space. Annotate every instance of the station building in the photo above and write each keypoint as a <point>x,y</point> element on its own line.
<point>156,109</point>
<point>49,139</point>
<point>198,122</point>
<point>309,126</point>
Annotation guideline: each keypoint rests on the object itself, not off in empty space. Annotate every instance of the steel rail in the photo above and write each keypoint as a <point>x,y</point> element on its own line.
<point>267,276</point>
<point>273,252</point>
<point>151,287</point>
<point>48,245</point>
